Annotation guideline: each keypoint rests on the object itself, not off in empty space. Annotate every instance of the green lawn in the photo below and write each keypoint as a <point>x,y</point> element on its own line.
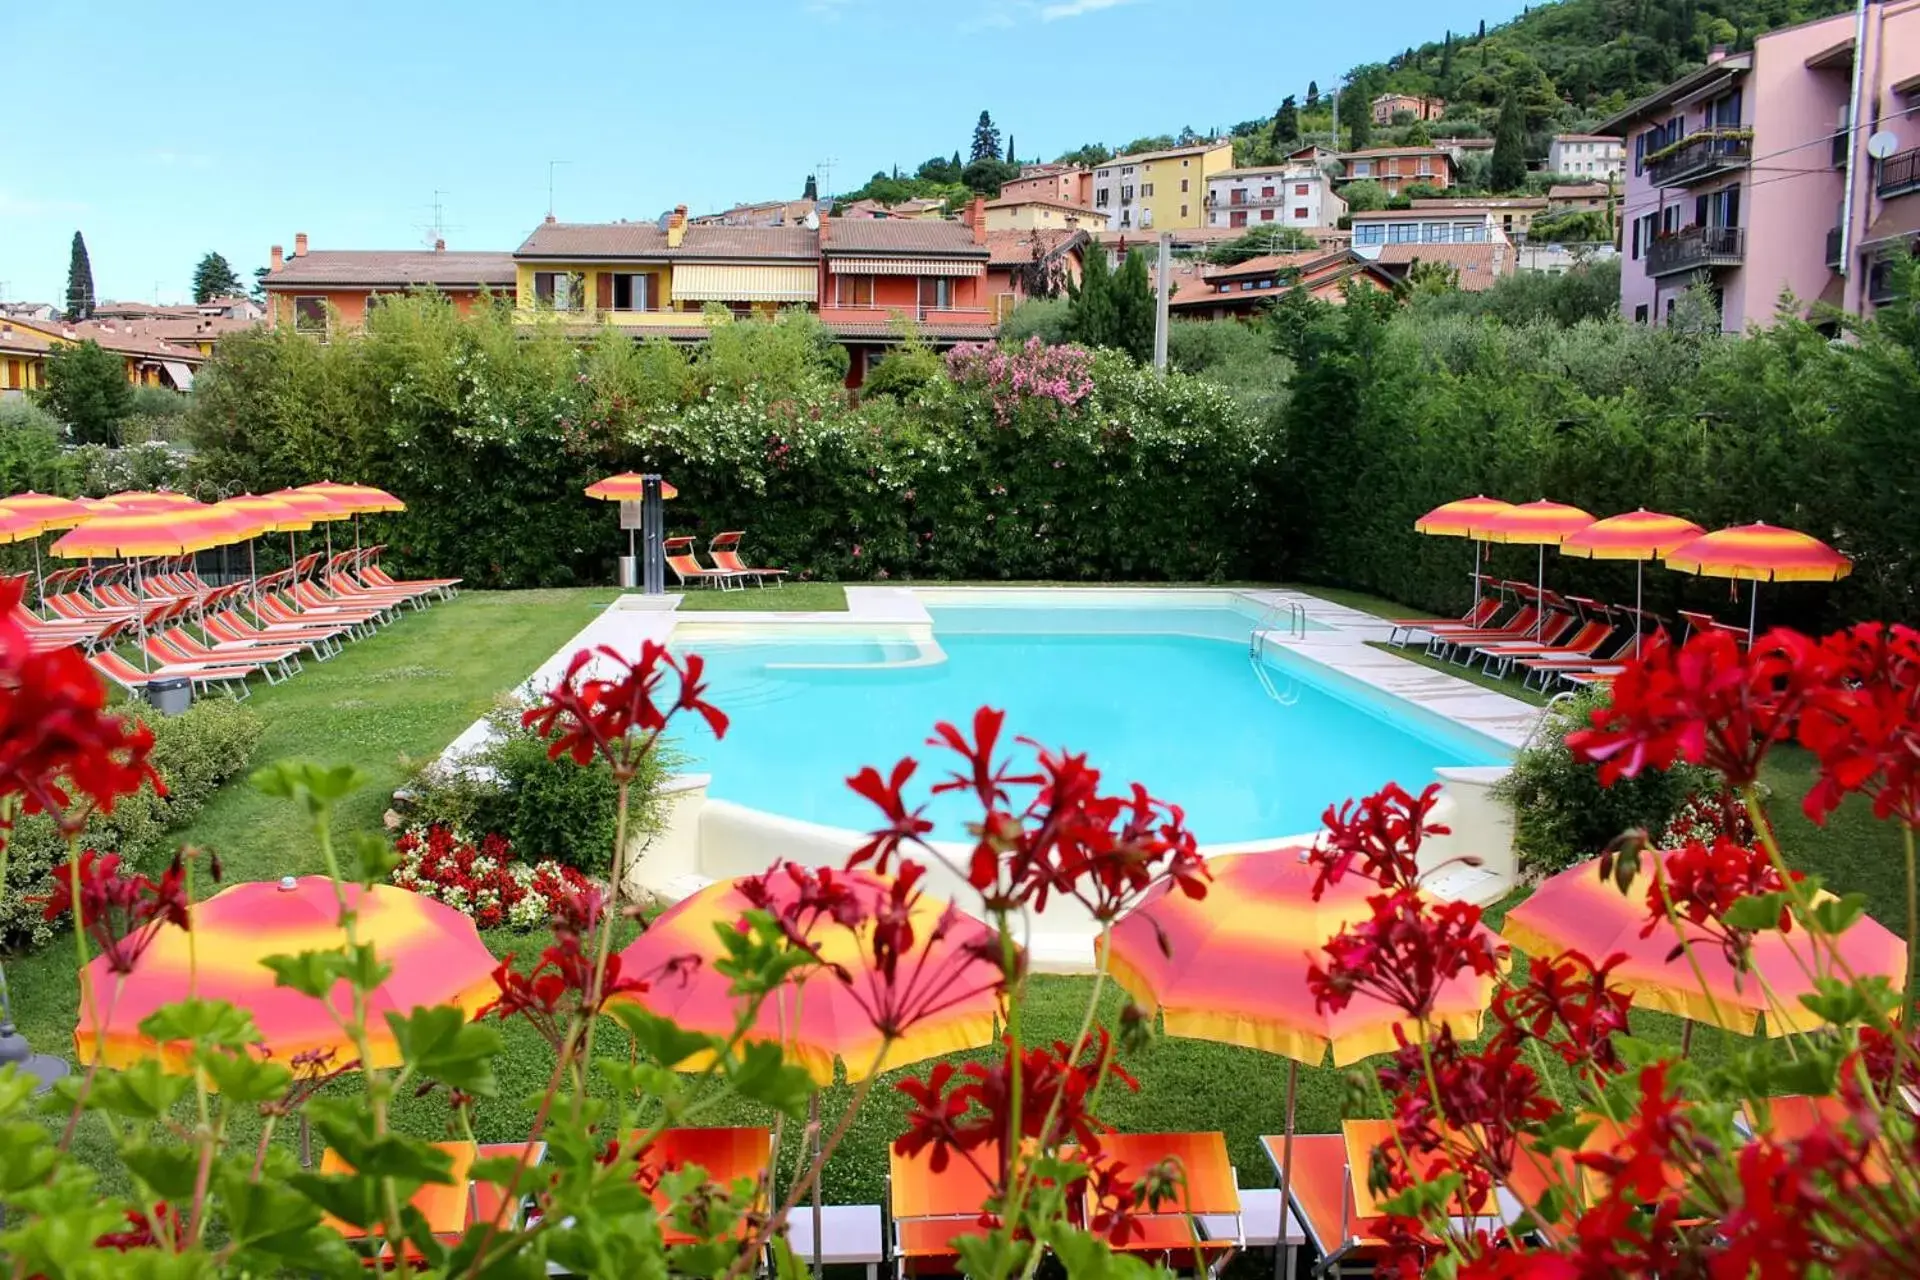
<point>408,691</point>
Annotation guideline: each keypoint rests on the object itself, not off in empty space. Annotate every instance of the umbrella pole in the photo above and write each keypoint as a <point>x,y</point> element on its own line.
<point>306,1141</point>
<point>1478,547</point>
<point>1639,618</point>
<point>140,595</point>
<point>39,578</point>
<point>1753,610</point>
<point>1540,593</point>
<point>1283,1260</point>
<point>253,576</point>
<point>1686,1038</point>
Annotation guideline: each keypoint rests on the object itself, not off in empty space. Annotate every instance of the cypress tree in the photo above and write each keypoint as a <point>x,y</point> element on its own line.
<point>812,190</point>
<point>1012,157</point>
<point>1286,123</point>
<point>1313,95</point>
<point>1509,172</point>
<point>1090,318</point>
<point>1133,308</point>
<point>80,297</point>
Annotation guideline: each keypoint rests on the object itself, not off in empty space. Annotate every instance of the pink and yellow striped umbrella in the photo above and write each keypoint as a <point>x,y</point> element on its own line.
<point>1578,911</point>
<point>1457,519</point>
<point>1760,553</point>
<point>276,516</point>
<point>1541,523</point>
<point>436,954</point>
<point>18,526</point>
<point>319,507</point>
<point>822,1020</point>
<point>164,532</point>
<point>1234,968</point>
<point>359,499</point>
<point>1633,535</point>
<point>49,510</point>
<point>154,500</point>
<point>626,487</point>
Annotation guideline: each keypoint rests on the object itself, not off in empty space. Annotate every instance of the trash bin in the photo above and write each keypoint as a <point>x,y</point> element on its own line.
<point>171,695</point>
<point>629,572</point>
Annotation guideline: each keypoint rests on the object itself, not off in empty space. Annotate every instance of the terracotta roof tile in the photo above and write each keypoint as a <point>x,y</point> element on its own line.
<point>393,268</point>
<point>594,240</point>
<point>898,236</point>
<point>1011,248</point>
<point>797,243</point>
<point>1273,262</point>
<point>1577,191</point>
<point>1015,202</point>
<point>1479,265</point>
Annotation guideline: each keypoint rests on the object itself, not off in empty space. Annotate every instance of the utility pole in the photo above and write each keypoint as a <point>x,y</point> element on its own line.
<point>1161,294</point>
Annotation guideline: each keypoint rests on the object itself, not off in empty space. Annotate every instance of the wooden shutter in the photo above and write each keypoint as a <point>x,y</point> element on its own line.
<point>603,290</point>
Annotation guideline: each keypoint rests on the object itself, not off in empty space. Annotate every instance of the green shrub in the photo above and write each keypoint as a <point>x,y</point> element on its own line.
<point>158,402</point>
<point>30,452</point>
<point>1562,815</point>
<point>545,808</point>
<point>194,753</point>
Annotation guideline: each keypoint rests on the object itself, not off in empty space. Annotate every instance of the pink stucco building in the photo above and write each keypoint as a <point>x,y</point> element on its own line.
<point>1737,174</point>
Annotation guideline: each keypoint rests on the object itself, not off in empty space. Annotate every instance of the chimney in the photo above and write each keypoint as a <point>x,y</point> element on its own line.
<point>977,218</point>
<point>549,219</point>
<point>299,244</point>
<point>676,226</point>
<point>276,258</point>
<point>1717,54</point>
<point>439,246</point>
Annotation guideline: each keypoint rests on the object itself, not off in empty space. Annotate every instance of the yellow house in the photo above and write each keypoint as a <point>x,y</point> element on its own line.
<point>1041,213</point>
<point>662,276</point>
<point>150,361</point>
<point>23,359</point>
<point>1159,190</point>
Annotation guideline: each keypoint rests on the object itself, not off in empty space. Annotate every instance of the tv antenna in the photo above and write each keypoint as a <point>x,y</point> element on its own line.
<point>437,231</point>
<point>824,171</point>
<point>551,166</point>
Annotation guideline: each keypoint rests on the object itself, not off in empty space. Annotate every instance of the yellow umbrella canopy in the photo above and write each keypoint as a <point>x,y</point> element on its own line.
<point>1634,535</point>
<point>1457,519</point>
<point>48,510</point>
<point>155,500</point>
<point>358,499</point>
<point>320,507</point>
<point>1759,553</point>
<point>625,487</point>
<point>144,533</point>
<point>277,516</point>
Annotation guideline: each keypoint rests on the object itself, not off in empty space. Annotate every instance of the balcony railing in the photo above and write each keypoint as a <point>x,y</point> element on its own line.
<point>1900,174</point>
<point>1700,156</point>
<point>1696,248</point>
<point>1833,246</point>
<point>882,312</point>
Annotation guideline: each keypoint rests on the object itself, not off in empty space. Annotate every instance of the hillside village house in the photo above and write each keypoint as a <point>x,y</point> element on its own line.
<point>1069,183</point>
<point>1740,170</point>
<point>1289,195</point>
<point>1443,223</point>
<point>768,213</point>
<point>1600,155</point>
<point>1040,213</point>
<point>1514,215</point>
<point>1397,168</point>
<point>661,276</point>
<point>1248,288</point>
<point>1579,197</point>
<point>151,361</point>
<point>1159,190</point>
<point>876,273</point>
<point>1013,257</point>
<point>1388,105</point>
<point>314,291</point>
<point>23,359</point>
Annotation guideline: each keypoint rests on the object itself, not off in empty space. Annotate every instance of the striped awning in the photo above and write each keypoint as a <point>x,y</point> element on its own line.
<point>908,267</point>
<point>739,282</point>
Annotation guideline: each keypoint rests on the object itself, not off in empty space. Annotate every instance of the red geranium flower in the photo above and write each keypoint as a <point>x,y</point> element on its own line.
<point>1864,727</point>
<point>1702,883</point>
<point>619,717</point>
<point>1408,948</point>
<point>1707,702</point>
<point>120,914</point>
<point>1383,831</point>
<point>1571,994</point>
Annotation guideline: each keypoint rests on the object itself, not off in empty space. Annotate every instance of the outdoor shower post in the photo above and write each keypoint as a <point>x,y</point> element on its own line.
<point>653,535</point>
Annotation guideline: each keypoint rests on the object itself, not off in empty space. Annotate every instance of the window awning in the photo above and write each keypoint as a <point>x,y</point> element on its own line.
<point>716,282</point>
<point>181,375</point>
<point>907,267</point>
<point>1900,220</point>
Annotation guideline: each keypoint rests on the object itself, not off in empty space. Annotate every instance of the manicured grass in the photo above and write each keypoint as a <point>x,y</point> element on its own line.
<point>795,597</point>
<point>411,689</point>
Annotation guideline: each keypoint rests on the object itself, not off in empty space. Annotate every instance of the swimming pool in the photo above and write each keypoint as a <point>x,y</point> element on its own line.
<point>1165,695</point>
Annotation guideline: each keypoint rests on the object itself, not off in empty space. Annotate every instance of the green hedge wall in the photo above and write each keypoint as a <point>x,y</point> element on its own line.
<point>490,436</point>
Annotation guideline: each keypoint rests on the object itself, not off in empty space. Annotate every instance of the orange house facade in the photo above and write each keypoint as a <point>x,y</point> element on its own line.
<point>878,274</point>
<point>317,292</point>
<point>1397,168</point>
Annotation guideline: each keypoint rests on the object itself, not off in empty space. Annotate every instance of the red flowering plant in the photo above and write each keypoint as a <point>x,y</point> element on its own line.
<point>1566,1146</point>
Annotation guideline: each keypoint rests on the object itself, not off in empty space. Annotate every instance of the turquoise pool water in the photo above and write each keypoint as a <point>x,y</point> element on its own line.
<point>1174,703</point>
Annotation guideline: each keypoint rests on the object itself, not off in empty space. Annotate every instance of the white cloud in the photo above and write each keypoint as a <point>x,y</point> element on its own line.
<point>1077,8</point>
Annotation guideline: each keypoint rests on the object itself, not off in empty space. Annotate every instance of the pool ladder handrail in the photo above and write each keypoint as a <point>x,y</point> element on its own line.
<point>1296,615</point>
<point>1288,699</point>
<point>1546,714</point>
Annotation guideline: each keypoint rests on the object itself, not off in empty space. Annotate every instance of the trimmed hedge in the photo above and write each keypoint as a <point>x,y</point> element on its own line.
<point>490,434</point>
<point>193,752</point>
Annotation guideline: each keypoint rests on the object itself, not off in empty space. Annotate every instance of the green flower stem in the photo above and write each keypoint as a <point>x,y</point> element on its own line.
<point>1913,920</point>
<point>605,941</point>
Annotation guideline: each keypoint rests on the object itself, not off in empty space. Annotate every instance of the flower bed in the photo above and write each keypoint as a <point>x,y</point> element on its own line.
<point>482,880</point>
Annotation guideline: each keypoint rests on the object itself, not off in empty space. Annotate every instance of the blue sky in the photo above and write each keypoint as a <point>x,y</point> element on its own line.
<point>232,124</point>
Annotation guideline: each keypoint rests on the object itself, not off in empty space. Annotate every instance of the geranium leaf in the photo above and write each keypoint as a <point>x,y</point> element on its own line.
<point>760,1075</point>
<point>311,973</point>
<point>441,1044</point>
<point>168,1171</point>
<point>659,1038</point>
<point>205,1022</point>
